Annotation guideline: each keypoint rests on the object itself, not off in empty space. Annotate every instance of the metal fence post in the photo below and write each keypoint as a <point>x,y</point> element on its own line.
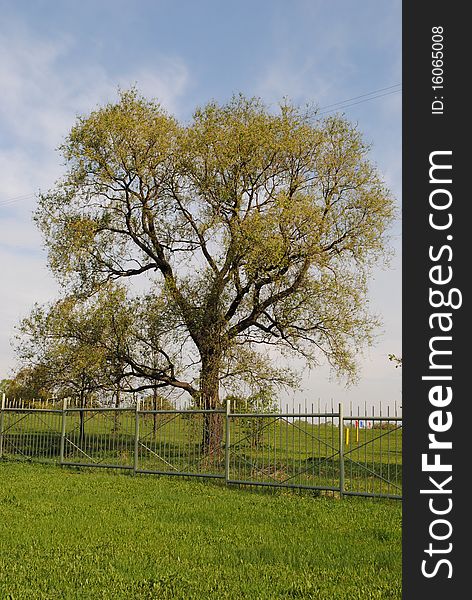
<point>136,437</point>
<point>2,413</point>
<point>341,450</point>
<point>228,440</point>
<point>63,430</point>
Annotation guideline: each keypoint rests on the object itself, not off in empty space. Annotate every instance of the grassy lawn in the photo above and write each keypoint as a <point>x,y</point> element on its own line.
<point>98,535</point>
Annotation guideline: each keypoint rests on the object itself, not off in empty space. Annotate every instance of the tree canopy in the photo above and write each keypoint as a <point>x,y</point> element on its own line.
<point>74,343</point>
<point>253,230</point>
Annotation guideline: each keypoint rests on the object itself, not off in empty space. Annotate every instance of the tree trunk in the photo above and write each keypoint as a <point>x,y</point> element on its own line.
<point>212,435</point>
<point>209,399</point>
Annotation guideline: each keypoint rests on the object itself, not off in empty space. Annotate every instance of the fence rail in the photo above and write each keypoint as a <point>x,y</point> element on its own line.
<point>330,451</point>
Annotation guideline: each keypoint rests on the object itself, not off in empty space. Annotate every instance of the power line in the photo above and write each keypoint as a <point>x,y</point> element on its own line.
<point>341,105</point>
<point>361,96</point>
<point>14,199</point>
<point>359,102</point>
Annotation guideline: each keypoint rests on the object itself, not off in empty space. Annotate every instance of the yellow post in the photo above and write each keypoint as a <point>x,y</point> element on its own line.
<point>357,433</point>
<point>347,436</point>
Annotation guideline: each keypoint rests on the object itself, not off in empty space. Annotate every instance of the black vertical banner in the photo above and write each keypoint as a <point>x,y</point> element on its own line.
<point>437,241</point>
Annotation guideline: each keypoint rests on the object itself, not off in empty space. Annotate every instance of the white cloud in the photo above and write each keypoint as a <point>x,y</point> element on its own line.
<point>42,93</point>
<point>25,280</point>
<point>286,76</point>
<point>40,97</point>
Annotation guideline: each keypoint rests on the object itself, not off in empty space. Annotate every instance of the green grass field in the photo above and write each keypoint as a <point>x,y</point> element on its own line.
<point>75,534</point>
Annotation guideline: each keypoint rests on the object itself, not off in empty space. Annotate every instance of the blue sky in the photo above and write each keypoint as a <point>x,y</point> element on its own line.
<point>59,59</point>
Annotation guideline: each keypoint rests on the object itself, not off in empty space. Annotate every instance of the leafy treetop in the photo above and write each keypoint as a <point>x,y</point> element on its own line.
<point>257,230</point>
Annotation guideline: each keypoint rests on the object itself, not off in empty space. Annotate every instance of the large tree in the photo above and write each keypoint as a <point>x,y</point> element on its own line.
<point>252,229</point>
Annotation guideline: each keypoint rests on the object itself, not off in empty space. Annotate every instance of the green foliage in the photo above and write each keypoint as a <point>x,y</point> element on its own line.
<point>28,383</point>
<point>263,400</point>
<point>397,360</point>
<point>69,534</point>
<point>74,344</point>
<point>156,402</point>
<point>257,229</point>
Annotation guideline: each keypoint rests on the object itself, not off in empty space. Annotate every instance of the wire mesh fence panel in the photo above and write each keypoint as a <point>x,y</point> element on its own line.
<point>30,430</point>
<point>298,449</point>
<point>99,437</point>
<point>285,449</point>
<point>181,442</point>
<point>373,455</point>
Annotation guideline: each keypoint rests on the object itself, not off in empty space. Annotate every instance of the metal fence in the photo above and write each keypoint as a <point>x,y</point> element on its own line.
<point>306,449</point>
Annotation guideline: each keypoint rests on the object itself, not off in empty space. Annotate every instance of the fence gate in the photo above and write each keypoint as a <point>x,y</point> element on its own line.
<point>285,449</point>
<point>176,442</point>
<point>30,431</point>
<point>373,456</point>
<point>98,437</point>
